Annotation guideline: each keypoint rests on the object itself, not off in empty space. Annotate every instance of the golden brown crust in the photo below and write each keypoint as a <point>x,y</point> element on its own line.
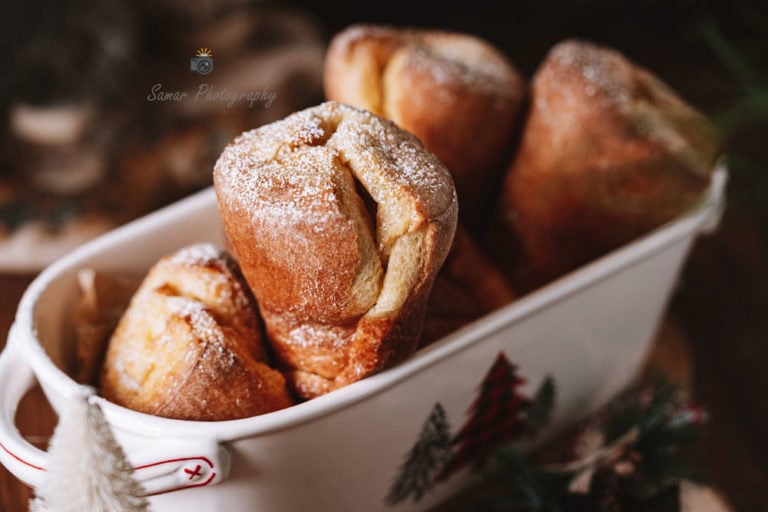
<point>190,344</point>
<point>468,287</point>
<point>455,92</point>
<point>342,290</point>
<point>608,153</point>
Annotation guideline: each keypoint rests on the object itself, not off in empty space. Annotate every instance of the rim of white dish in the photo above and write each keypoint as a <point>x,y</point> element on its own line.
<point>24,338</point>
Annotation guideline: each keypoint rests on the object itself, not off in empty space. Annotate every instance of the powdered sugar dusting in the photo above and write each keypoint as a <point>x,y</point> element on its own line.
<point>286,168</point>
<point>357,33</point>
<point>581,79</point>
<point>448,57</point>
<point>204,327</point>
<point>200,254</point>
<point>459,58</point>
<point>605,74</point>
<point>280,185</point>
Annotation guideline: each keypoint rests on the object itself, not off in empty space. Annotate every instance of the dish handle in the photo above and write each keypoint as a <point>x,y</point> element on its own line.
<point>162,466</point>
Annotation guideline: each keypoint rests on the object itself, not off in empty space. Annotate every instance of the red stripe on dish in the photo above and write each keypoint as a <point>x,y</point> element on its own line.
<point>9,452</point>
<point>205,459</point>
<point>202,484</point>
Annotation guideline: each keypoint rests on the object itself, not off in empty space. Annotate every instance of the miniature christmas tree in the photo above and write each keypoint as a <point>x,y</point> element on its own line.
<point>429,453</point>
<point>87,469</point>
<point>495,418</point>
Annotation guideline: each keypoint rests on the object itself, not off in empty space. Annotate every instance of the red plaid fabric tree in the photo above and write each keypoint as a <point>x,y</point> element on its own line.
<point>495,418</point>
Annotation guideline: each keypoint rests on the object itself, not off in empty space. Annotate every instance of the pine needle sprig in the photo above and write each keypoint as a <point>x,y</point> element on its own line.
<point>648,434</point>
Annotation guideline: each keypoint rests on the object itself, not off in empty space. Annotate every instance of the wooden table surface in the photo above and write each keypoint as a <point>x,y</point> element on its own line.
<point>35,418</point>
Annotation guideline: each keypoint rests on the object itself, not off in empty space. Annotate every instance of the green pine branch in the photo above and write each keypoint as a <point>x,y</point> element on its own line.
<point>667,427</point>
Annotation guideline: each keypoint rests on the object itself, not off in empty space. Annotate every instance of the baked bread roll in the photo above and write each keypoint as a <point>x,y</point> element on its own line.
<point>609,152</point>
<point>340,221</point>
<point>190,344</point>
<point>468,287</point>
<point>455,92</point>
<point>103,299</point>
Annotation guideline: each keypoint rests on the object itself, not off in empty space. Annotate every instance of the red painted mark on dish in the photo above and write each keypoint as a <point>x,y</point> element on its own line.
<point>193,472</point>
<point>203,484</point>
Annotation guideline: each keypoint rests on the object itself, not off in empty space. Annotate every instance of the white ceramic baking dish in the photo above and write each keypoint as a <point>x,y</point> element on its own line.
<point>341,452</point>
